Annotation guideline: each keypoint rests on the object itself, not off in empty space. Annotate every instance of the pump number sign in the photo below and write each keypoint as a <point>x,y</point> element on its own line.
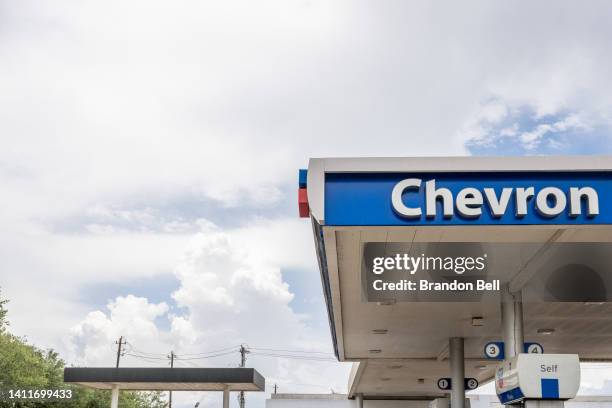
<point>446,384</point>
<point>534,348</point>
<point>494,350</point>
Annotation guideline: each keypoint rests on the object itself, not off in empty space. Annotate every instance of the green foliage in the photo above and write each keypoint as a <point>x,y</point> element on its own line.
<point>21,364</point>
<point>3,311</point>
<point>87,398</point>
<point>24,366</point>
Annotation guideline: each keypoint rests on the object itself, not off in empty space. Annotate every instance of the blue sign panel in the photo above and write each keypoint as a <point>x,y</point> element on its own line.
<point>512,395</point>
<point>516,198</point>
<point>495,350</point>
<point>533,348</point>
<point>550,388</point>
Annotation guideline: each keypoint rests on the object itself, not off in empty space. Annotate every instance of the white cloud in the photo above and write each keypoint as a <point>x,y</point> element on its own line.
<point>133,317</point>
<point>482,120</point>
<point>222,279</point>
<point>229,293</point>
<point>488,126</point>
<point>232,286</point>
<point>110,111</point>
<point>533,138</point>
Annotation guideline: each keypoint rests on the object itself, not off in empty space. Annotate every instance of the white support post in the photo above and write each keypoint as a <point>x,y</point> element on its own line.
<point>359,400</point>
<point>226,396</point>
<point>115,397</point>
<point>457,368</point>
<point>512,322</point>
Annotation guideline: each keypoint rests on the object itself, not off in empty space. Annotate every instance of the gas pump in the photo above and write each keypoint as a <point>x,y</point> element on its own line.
<point>538,380</point>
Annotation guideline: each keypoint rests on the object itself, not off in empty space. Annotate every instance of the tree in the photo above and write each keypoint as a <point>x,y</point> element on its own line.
<point>3,312</point>
<point>25,366</point>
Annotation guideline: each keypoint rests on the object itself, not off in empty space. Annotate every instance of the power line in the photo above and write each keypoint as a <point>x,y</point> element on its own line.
<point>211,352</point>
<point>177,357</point>
<point>308,355</point>
<point>295,357</point>
<point>292,351</point>
<point>205,357</point>
<point>146,353</point>
<point>151,357</point>
<point>145,357</point>
<point>203,353</point>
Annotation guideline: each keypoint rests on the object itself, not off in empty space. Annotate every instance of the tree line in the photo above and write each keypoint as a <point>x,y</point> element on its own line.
<point>23,365</point>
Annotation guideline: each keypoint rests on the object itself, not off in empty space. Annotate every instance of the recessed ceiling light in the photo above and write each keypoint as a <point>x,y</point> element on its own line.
<point>477,321</point>
<point>389,302</point>
<point>380,331</point>
<point>594,303</point>
<point>375,351</point>
<point>546,331</point>
<point>481,367</point>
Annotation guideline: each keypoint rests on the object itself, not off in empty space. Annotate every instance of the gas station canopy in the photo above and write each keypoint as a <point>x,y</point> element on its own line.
<point>166,378</point>
<point>401,348</point>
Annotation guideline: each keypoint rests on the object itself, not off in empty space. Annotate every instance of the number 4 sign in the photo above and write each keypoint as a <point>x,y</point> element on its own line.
<point>534,348</point>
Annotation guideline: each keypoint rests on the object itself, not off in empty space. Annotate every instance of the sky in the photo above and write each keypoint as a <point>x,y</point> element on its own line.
<point>148,169</point>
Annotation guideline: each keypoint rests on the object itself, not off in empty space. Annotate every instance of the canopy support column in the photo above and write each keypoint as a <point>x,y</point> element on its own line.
<point>457,368</point>
<point>512,322</point>
<point>226,396</point>
<point>115,397</point>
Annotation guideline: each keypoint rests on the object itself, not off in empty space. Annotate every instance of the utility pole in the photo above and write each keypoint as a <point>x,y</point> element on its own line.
<point>119,343</point>
<point>243,353</point>
<point>171,357</point>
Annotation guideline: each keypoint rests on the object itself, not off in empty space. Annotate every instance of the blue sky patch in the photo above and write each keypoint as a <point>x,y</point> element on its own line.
<point>523,132</point>
<point>155,289</point>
